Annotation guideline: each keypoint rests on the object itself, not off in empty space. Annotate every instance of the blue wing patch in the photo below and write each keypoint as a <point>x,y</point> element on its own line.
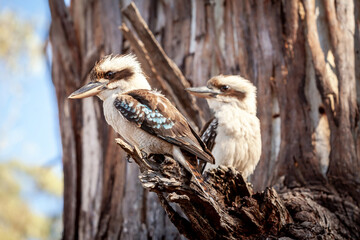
<point>139,113</point>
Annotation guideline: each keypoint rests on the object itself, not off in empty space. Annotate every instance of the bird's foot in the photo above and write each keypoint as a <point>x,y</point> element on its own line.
<point>128,158</point>
<point>144,154</point>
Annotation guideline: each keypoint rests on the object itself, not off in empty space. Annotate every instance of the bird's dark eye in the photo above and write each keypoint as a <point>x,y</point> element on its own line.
<point>224,88</point>
<point>109,75</point>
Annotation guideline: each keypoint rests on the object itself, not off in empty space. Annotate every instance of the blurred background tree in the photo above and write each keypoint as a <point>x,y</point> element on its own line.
<point>31,187</point>
<point>18,43</point>
<point>18,220</point>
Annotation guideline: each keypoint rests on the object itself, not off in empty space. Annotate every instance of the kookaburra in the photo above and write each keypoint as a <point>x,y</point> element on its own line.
<point>144,118</point>
<point>233,135</point>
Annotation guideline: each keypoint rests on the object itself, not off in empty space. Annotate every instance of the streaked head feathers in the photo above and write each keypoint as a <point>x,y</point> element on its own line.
<point>228,89</point>
<point>113,74</point>
<point>116,63</point>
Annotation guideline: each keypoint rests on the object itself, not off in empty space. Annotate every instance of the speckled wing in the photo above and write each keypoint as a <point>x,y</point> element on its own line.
<point>155,114</point>
<point>208,133</point>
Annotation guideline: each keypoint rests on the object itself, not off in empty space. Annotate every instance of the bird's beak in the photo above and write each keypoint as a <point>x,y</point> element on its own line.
<point>203,92</point>
<point>90,89</point>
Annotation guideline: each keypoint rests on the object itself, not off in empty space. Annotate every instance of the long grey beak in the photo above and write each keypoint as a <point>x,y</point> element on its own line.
<point>203,92</point>
<point>90,89</point>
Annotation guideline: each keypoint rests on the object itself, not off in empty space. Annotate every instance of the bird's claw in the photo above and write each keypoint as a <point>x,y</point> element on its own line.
<point>128,158</point>
<point>144,155</point>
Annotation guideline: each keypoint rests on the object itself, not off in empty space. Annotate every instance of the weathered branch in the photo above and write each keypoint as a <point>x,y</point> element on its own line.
<point>236,212</point>
<point>318,213</point>
<point>165,66</point>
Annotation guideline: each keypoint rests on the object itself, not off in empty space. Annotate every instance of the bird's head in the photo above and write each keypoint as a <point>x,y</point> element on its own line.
<point>225,90</point>
<point>113,74</point>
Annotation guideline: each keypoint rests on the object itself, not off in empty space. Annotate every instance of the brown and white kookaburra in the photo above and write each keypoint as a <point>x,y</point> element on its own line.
<point>144,118</point>
<point>233,134</point>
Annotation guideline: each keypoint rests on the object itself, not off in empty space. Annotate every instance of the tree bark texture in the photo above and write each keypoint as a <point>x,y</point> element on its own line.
<point>304,58</point>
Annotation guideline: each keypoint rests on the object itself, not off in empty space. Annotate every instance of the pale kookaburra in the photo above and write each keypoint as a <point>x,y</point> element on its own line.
<point>233,135</point>
<point>144,118</point>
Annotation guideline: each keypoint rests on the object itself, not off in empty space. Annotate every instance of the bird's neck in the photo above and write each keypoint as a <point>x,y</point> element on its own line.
<point>235,106</point>
<point>233,120</point>
<point>108,94</point>
<point>138,82</point>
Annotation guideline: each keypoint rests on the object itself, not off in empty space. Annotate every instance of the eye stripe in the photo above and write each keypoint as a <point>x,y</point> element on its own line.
<point>124,74</point>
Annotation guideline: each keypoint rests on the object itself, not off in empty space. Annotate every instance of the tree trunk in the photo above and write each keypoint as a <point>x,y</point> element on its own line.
<point>304,58</point>
<point>103,198</point>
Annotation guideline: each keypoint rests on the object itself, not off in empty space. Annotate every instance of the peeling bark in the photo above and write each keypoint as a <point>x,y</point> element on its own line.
<point>233,211</point>
<point>303,56</point>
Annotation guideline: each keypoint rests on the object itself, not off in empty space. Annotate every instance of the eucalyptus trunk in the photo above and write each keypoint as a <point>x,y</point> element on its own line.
<point>302,55</point>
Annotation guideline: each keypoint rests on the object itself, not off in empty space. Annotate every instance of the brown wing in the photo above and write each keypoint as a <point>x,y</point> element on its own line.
<point>156,115</point>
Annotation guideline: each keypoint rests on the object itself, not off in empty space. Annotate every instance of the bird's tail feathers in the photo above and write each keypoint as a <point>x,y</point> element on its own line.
<point>198,178</point>
<point>189,162</point>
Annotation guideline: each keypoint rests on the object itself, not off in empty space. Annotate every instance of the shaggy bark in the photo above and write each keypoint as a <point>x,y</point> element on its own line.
<point>303,56</point>
<point>231,209</point>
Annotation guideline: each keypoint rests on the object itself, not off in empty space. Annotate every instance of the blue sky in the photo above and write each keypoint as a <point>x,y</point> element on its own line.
<point>29,129</point>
